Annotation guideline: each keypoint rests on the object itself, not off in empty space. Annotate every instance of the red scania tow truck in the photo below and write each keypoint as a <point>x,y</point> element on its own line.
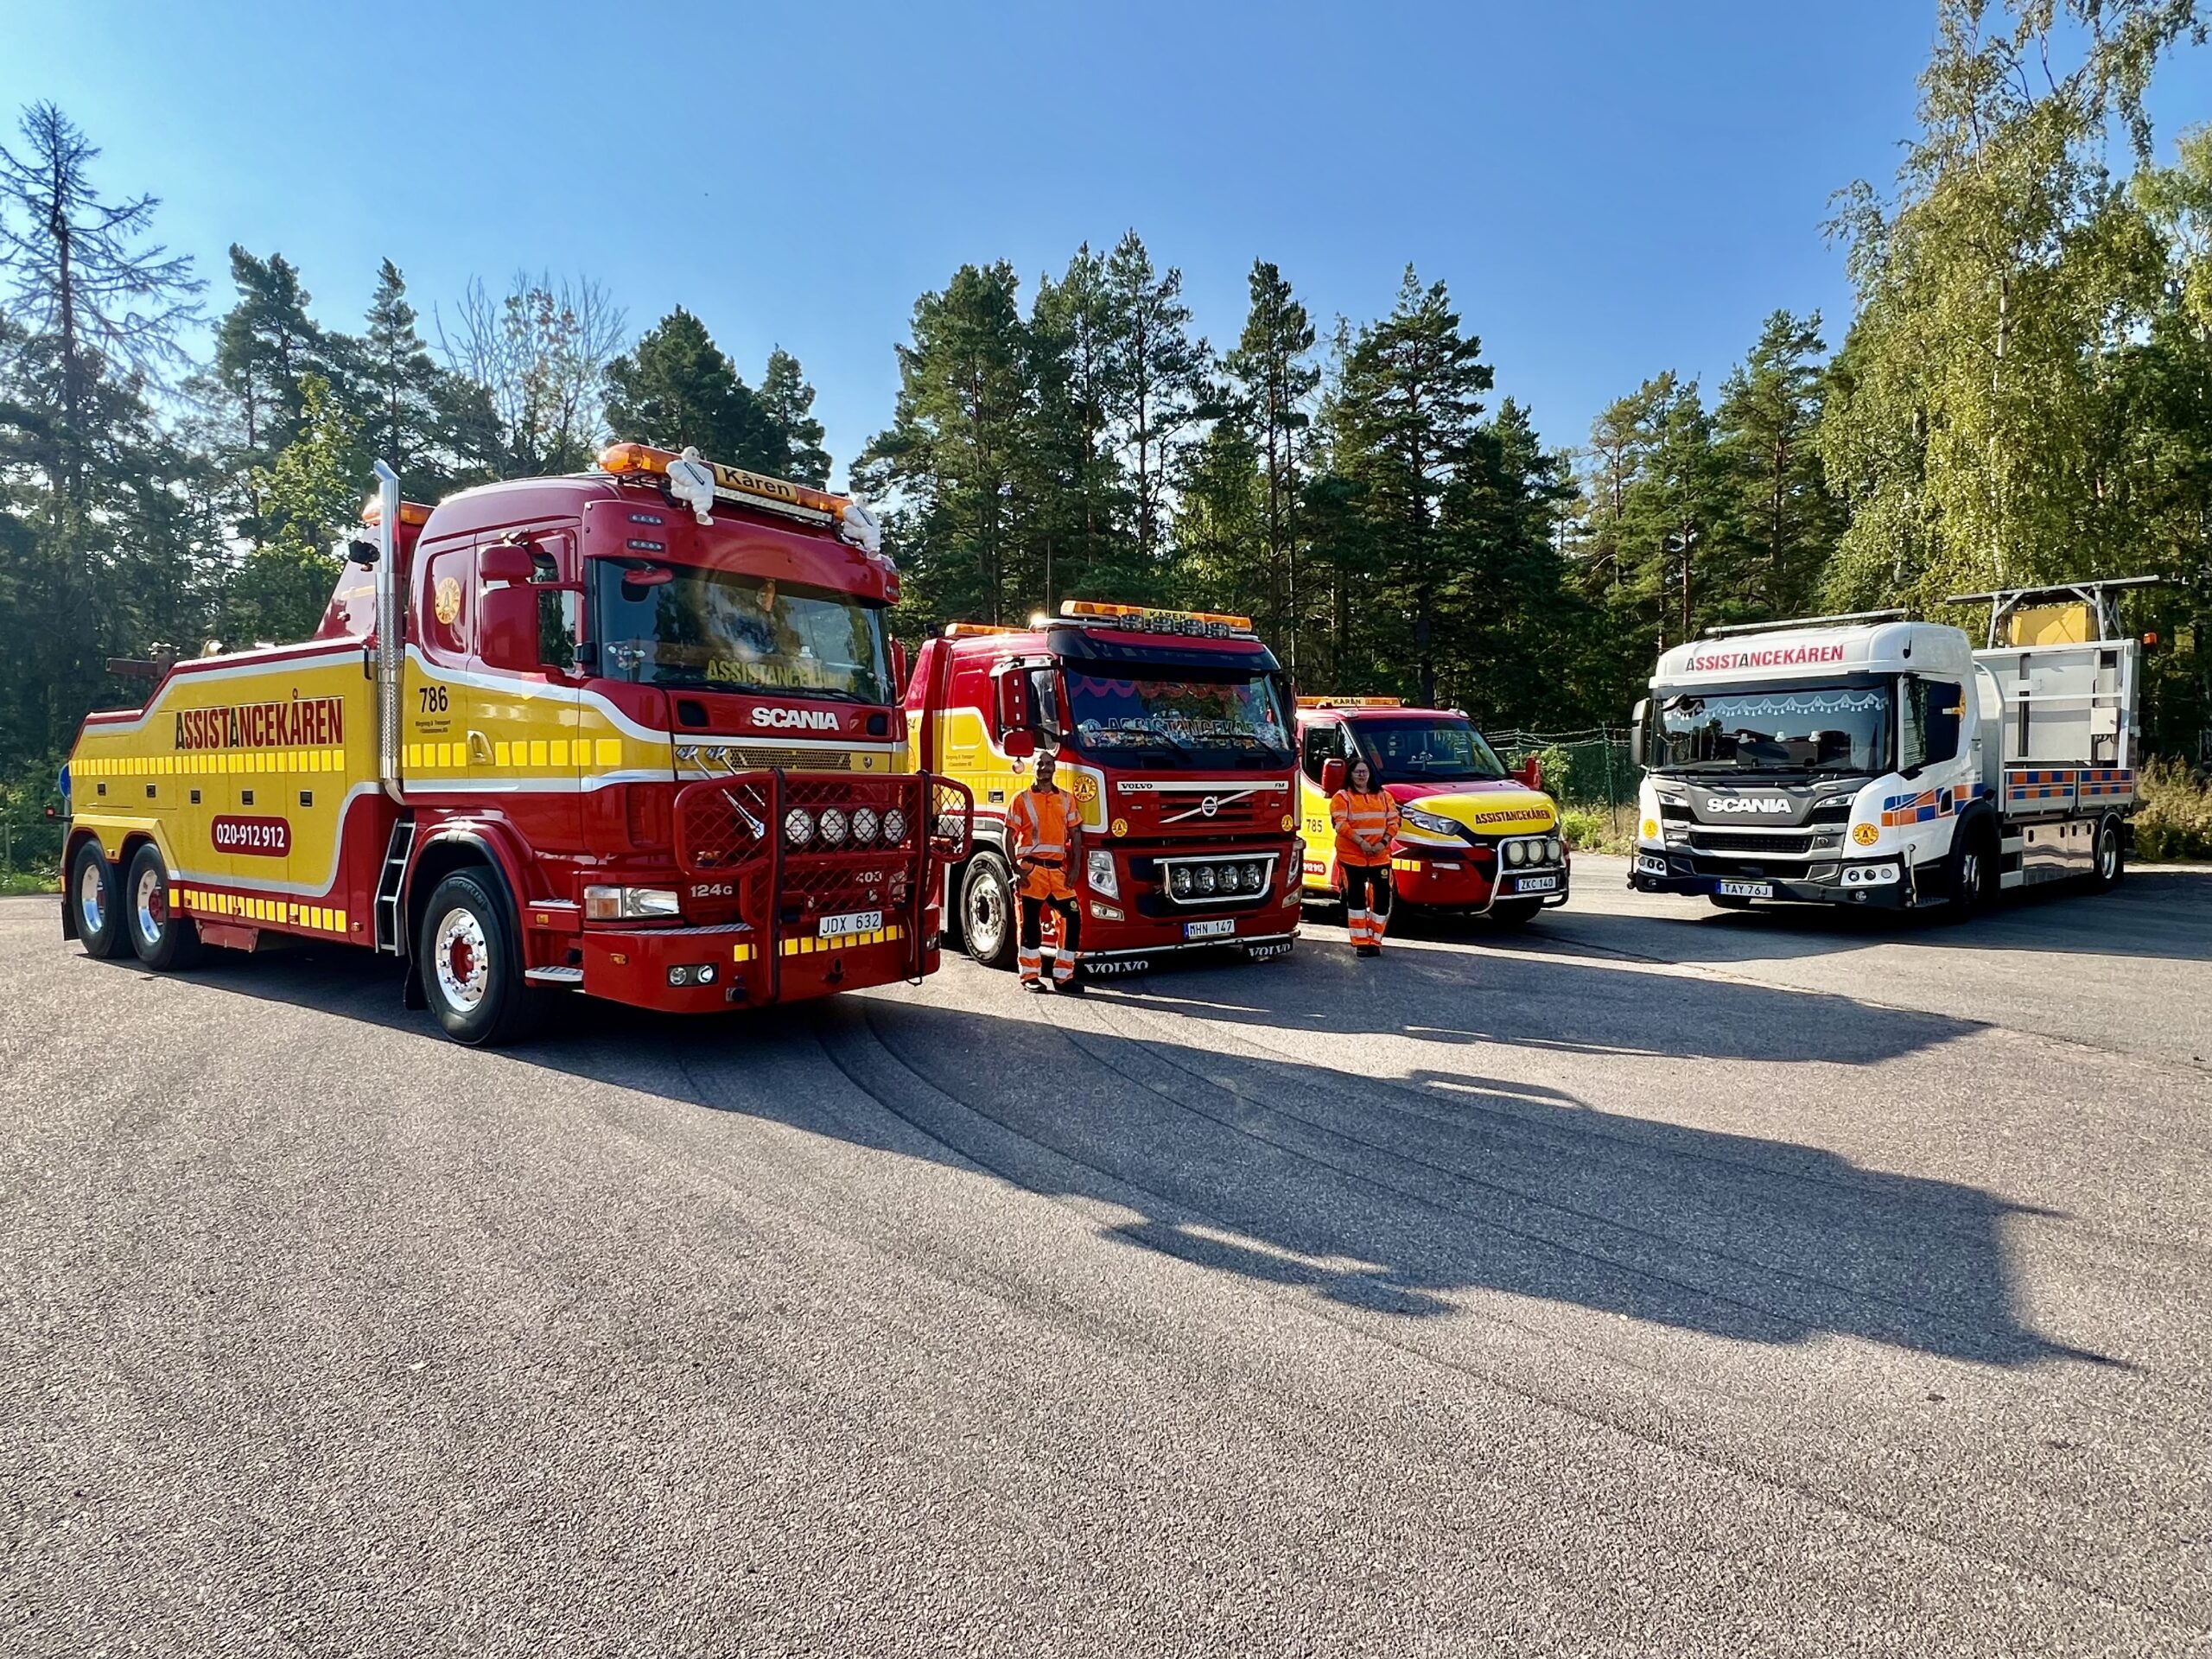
<point>1174,732</point>
<point>634,733</point>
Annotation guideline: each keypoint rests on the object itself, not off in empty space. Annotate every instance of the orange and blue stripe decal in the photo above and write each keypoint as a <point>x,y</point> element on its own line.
<point>1928,804</point>
<point>2105,783</point>
<point>2039,784</point>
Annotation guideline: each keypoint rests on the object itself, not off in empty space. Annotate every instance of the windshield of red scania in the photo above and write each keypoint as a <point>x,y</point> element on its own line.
<point>719,631</point>
<point>1176,719</point>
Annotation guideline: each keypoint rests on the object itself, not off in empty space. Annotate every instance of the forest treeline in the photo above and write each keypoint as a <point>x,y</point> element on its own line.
<point>2023,392</point>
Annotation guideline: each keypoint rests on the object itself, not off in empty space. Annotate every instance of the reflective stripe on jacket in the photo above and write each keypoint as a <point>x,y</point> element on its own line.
<point>1041,827</point>
<point>1372,817</point>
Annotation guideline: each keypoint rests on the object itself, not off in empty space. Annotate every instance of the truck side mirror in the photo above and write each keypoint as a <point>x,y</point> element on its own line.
<point>1019,745</point>
<point>1530,772</point>
<point>506,562</point>
<point>1332,776</point>
<point>899,670</point>
<point>506,627</point>
<point>1012,710</point>
<point>1636,731</point>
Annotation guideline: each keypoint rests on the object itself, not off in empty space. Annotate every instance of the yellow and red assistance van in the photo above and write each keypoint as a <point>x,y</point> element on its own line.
<point>634,733</point>
<point>1472,836</point>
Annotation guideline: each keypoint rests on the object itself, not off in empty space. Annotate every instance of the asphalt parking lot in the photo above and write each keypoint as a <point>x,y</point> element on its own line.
<point>1656,1279</point>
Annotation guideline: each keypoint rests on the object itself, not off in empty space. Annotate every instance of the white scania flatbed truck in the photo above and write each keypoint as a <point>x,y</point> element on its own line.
<point>1868,759</point>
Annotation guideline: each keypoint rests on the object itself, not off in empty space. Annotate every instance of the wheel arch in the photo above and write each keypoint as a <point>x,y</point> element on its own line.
<point>446,850</point>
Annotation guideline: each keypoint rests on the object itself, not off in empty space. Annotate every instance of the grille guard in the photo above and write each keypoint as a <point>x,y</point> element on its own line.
<point>732,829</point>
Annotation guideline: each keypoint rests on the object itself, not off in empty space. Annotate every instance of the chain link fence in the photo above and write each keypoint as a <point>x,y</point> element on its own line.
<point>30,841</point>
<point>1592,774</point>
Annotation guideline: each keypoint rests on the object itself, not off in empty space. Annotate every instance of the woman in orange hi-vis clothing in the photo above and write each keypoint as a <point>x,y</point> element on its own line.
<point>1366,820</point>
<point>1043,828</point>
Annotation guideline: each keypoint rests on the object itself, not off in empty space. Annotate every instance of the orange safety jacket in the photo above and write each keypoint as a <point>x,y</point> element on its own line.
<point>1040,831</point>
<point>1372,817</point>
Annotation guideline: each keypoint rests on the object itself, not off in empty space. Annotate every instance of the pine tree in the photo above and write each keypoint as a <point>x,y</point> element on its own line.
<point>1157,375</point>
<point>310,493</point>
<point>1273,375</point>
<point>396,382</point>
<point>1765,426</point>
<point>676,390</point>
<point>788,402</point>
<point>1072,326</point>
<point>1407,417</point>
<point>265,346</point>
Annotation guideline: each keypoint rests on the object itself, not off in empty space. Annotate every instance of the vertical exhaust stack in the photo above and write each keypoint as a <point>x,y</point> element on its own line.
<point>391,630</point>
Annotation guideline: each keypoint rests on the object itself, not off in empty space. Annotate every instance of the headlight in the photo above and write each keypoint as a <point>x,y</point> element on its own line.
<point>1516,852</point>
<point>1558,850</point>
<point>894,827</point>
<point>864,823</point>
<point>833,827</point>
<point>1226,877</point>
<point>1098,873</point>
<point>798,826</point>
<point>1255,877</point>
<point>1429,821</point>
<point>1178,881</point>
<point>1205,881</point>
<point>628,903</point>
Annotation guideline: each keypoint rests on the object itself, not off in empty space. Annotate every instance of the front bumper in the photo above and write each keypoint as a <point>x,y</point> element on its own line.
<point>633,966</point>
<point>1822,883</point>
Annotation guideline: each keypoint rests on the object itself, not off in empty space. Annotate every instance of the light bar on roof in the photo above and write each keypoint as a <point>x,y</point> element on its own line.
<point>410,512</point>
<point>974,630</point>
<point>1145,618</point>
<point>735,485</point>
<point>1351,703</point>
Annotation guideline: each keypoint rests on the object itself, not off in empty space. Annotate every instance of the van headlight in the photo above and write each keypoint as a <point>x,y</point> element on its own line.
<point>1429,823</point>
<point>798,826</point>
<point>1516,852</point>
<point>628,903</point>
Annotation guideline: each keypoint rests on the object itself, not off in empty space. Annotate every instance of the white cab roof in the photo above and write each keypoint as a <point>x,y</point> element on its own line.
<point>1812,653</point>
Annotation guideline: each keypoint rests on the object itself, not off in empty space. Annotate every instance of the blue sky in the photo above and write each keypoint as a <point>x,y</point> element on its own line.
<point>1610,189</point>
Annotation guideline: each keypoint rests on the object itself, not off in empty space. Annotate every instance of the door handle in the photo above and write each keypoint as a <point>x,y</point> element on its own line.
<point>479,749</point>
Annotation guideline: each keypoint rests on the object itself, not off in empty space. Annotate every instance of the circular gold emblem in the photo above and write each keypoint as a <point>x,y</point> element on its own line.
<point>448,601</point>
<point>1651,829</point>
<point>1086,787</point>
<point>1289,824</point>
<point>1865,834</point>
<point>1120,826</point>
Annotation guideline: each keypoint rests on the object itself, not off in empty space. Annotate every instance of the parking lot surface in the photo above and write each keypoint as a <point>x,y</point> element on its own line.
<point>1654,1280</point>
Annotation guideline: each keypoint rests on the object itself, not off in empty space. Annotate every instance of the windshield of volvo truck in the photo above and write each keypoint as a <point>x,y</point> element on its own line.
<point>1175,716</point>
<point>1427,751</point>
<point>717,631</point>
<point>1785,729</point>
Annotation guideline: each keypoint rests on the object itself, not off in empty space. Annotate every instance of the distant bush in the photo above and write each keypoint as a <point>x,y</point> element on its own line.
<point>2173,817</point>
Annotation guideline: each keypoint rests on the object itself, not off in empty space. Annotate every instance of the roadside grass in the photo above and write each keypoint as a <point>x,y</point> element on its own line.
<point>2173,817</point>
<point>15,882</point>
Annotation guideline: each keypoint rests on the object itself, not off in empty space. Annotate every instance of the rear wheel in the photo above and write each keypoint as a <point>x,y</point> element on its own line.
<point>2111,860</point>
<point>98,896</point>
<point>1516,912</point>
<point>162,938</point>
<point>471,969</point>
<point>986,911</point>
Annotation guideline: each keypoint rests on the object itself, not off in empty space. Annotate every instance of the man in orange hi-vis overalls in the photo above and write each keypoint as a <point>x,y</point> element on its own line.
<point>1044,828</point>
<point>1366,819</point>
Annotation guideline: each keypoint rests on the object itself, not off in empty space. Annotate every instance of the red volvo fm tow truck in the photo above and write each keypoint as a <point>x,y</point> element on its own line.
<point>1173,731</point>
<point>634,733</point>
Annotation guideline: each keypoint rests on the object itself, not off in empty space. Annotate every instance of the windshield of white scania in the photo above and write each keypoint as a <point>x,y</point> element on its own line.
<point>717,631</point>
<point>1794,729</point>
<point>1427,751</point>
<point>1175,716</point>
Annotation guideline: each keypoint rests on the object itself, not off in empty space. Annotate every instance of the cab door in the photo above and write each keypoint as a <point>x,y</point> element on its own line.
<point>523,729</point>
<point>1319,742</point>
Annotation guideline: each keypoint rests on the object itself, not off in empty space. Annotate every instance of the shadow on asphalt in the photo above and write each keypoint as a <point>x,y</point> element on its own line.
<point>1387,1193</point>
<point>2164,914</point>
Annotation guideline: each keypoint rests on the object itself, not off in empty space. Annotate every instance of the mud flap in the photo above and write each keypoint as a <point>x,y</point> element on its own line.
<point>412,995</point>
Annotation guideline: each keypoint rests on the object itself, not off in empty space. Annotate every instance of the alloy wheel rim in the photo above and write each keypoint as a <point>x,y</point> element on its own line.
<point>460,959</point>
<point>985,917</point>
<point>152,906</point>
<point>91,896</point>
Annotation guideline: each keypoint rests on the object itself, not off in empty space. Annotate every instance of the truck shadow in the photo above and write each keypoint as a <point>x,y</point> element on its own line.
<point>1409,1193</point>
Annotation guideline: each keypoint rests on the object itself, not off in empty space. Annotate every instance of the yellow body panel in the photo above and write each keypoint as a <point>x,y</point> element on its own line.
<point>967,754</point>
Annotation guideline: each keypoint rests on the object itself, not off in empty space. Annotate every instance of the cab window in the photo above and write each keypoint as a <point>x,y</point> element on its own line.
<point>1932,713</point>
<point>1320,743</point>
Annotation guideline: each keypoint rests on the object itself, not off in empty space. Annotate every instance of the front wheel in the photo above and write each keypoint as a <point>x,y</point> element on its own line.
<point>986,911</point>
<point>1973,875</point>
<point>162,938</point>
<point>2111,862</point>
<point>471,970</point>
<point>98,896</point>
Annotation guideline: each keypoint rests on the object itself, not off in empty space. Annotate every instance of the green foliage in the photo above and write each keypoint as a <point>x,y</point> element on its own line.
<point>788,402</point>
<point>676,389</point>
<point>2173,819</point>
<point>309,494</point>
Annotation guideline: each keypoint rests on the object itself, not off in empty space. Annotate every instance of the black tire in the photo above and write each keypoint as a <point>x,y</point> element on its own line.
<point>989,927</point>
<point>471,968</point>
<point>163,938</point>
<point>97,895</point>
<point>1728,901</point>
<point>1516,912</point>
<point>2109,863</point>
<point>1973,874</point>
